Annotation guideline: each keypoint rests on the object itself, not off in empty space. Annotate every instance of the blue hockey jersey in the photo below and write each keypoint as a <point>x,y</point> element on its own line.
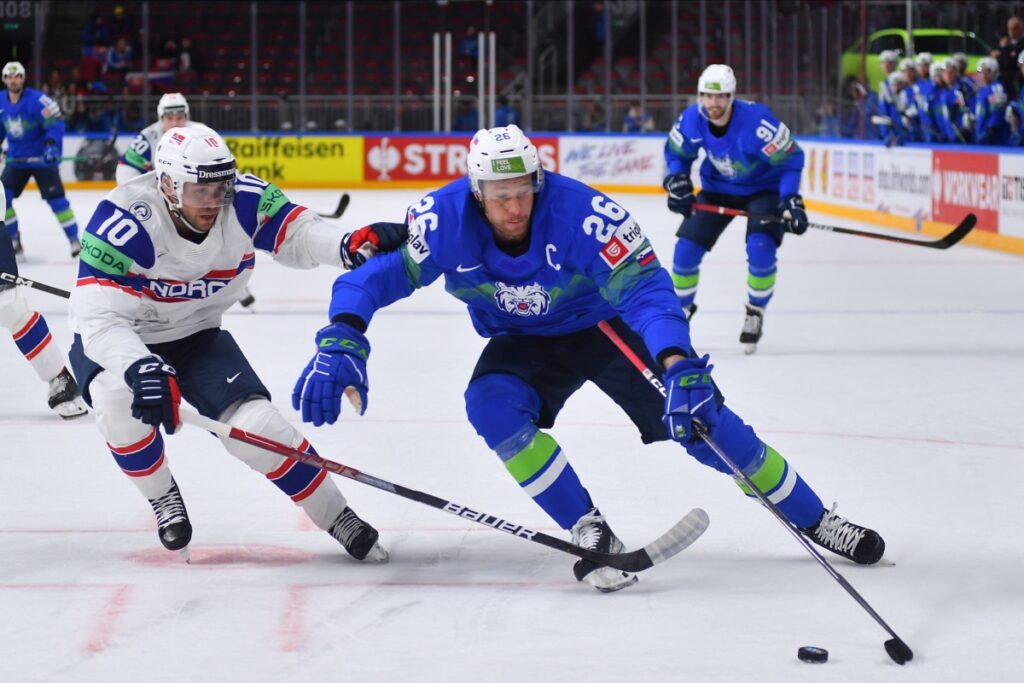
<point>29,124</point>
<point>756,154</point>
<point>588,261</point>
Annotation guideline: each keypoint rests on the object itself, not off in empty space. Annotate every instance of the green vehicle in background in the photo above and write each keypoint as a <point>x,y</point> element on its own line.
<point>941,42</point>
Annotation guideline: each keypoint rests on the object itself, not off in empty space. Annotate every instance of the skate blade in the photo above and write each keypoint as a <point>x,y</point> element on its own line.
<point>750,349</point>
<point>618,586</point>
<point>377,554</point>
<point>184,553</point>
<point>70,410</point>
<point>609,580</point>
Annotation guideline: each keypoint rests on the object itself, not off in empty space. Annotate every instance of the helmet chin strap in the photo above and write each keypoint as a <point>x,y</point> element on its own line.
<point>178,216</point>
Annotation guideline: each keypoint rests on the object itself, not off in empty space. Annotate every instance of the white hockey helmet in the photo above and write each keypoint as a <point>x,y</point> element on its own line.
<point>988,64</point>
<point>936,69</point>
<point>961,60</point>
<point>897,78</point>
<point>717,79</point>
<point>908,65</point>
<point>925,58</point>
<point>172,103</point>
<point>889,56</point>
<point>196,154</point>
<point>502,153</point>
<point>13,69</point>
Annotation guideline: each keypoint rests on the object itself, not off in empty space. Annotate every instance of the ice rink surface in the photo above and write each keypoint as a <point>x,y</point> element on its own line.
<point>890,377</point>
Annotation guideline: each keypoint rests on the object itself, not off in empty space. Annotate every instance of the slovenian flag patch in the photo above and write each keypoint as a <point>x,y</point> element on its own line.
<point>645,255</point>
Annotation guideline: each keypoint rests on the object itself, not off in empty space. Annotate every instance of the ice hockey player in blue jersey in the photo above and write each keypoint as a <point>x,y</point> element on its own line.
<point>990,103</point>
<point>34,130</point>
<point>752,163</point>
<point>540,260</point>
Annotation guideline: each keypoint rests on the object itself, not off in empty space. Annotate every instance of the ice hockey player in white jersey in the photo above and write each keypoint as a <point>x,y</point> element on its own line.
<point>164,255</point>
<point>172,112</point>
<point>32,334</point>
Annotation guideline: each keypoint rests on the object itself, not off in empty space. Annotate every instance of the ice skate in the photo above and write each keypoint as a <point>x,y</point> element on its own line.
<point>689,311</point>
<point>752,325</point>
<point>64,398</point>
<point>358,537</point>
<point>172,523</point>
<point>247,299</point>
<point>76,247</point>
<point>856,543</point>
<point>592,532</point>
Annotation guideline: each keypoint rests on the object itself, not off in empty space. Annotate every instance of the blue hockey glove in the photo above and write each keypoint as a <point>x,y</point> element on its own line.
<point>155,394</point>
<point>358,246</point>
<point>339,367</point>
<point>50,154</point>
<point>680,193</point>
<point>690,395</point>
<point>793,211</point>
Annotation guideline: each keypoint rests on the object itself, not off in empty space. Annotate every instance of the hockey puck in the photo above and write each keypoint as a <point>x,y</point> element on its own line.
<point>815,655</point>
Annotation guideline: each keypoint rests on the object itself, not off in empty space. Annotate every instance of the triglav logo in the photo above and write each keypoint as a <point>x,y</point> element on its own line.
<point>384,158</point>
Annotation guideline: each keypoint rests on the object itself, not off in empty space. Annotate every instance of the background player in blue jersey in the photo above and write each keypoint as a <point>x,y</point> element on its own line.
<point>752,163</point>
<point>34,130</point>
<point>540,260</point>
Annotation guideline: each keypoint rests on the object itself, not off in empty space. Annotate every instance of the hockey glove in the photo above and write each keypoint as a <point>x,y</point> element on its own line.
<point>50,154</point>
<point>680,193</point>
<point>793,212</point>
<point>155,394</point>
<point>339,367</point>
<point>360,245</point>
<point>690,396</point>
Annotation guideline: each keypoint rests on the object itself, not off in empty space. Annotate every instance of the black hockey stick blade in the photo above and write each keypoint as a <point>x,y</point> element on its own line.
<point>342,205</point>
<point>898,651</point>
<point>25,282</point>
<point>682,534</point>
<point>959,232</point>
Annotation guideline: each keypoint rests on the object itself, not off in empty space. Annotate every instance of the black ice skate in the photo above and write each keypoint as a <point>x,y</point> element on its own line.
<point>592,532</point>
<point>64,398</point>
<point>752,325</point>
<point>856,543</point>
<point>358,537</point>
<point>172,523</point>
<point>690,311</point>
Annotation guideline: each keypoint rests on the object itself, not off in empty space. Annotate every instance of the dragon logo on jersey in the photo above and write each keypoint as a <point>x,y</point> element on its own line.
<point>723,165</point>
<point>15,127</point>
<point>522,300</point>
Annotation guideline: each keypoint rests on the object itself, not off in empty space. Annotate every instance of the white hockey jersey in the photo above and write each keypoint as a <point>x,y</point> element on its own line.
<point>139,282</point>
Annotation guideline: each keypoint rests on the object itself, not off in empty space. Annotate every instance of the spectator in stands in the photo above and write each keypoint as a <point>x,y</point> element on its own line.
<point>166,58</point>
<point>469,47</point>
<point>95,36</point>
<point>468,117</point>
<point>1011,46</point>
<point>120,58</point>
<point>133,119</point>
<point>112,117</point>
<point>826,122</point>
<point>506,114</point>
<point>637,121</point>
<point>188,58</point>
<point>593,118</point>
<point>78,121</point>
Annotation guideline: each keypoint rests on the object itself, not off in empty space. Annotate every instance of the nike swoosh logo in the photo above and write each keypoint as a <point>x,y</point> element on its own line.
<point>463,269</point>
<point>696,139</point>
<point>233,377</point>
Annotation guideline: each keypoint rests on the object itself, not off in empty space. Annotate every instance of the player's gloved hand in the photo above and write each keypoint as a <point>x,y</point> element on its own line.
<point>793,211</point>
<point>360,245</point>
<point>339,367</point>
<point>50,154</point>
<point>680,193</point>
<point>155,394</point>
<point>690,396</point>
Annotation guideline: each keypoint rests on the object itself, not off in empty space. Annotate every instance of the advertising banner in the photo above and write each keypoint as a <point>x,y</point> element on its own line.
<point>306,160</point>
<point>964,182</point>
<point>608,160</point>
<point>1011,195</point>
<point>432,157</point>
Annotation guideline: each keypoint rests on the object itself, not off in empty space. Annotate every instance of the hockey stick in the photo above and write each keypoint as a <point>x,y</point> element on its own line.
<point>897,649</point>
<point>679,537</point>
<point>25,282</point>
<point>959,232</point>
<point>39,160</point>
<point>342,205</point>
